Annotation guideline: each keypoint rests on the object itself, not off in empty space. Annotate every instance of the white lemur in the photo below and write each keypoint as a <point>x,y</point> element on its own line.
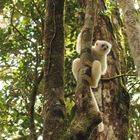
<point>99,54</point>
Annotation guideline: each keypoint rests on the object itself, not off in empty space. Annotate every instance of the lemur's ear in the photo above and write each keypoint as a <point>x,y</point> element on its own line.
<point>97,42</point>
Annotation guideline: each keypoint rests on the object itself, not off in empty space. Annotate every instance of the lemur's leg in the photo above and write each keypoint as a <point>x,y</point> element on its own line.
<point>75,67</point>
<point>95,73</point>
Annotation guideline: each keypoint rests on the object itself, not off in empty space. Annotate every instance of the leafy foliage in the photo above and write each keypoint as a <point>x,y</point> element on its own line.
<point>21,60</point>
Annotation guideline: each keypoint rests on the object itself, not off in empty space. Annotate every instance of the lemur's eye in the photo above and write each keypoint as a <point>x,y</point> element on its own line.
<point>104,46</point>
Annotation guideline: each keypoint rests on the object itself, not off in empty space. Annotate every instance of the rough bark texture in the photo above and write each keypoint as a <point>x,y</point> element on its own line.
<point>87,117</point>
<point>54,60</point>
<point>111,94</point>
<point>132,25</point>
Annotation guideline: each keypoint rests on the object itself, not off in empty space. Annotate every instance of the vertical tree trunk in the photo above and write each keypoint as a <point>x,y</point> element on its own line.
<point>111,94</point>
<point>87,116</point>
<point>132,29</point>
<point>54,61</point>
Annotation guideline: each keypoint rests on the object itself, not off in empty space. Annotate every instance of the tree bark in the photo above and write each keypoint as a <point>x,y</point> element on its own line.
<point>54,63</point>
<point>86,117</point>
<point>111,95</point>
<point>132,25</point>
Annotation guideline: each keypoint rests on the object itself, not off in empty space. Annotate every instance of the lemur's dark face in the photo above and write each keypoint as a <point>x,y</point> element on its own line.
<point>103,46</point>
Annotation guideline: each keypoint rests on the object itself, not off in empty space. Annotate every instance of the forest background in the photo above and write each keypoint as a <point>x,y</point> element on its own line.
<point>22,61</point>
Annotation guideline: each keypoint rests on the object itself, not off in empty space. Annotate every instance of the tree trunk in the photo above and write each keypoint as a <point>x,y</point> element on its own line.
<point>54,63</point>
<point>111,94</point>
<point>132,30</point>
<point>87,116</point>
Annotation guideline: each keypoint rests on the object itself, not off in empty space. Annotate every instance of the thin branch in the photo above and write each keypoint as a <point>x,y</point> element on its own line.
<point>38,10</point>
<point>117,76</point>
<point>23,14</point>
<point>137,82</point>
<point>32,102</point>
<point>6,66</point>
<point>108,79</point>
<point>12,15</point>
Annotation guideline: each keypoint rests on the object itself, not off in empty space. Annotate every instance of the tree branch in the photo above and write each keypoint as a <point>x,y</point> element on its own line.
<point>23,14</point>
<point>117,76</point>
<point>37,8</point>
<point>14,27</point>
<point>32,103</point>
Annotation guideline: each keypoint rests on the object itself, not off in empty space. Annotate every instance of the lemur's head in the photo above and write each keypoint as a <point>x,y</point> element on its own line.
<point>102,46</point>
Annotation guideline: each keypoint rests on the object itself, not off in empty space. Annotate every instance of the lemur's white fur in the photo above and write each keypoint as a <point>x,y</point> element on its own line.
<point>99,66</point>
<point>78,43</point>
<point>101,125</point>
